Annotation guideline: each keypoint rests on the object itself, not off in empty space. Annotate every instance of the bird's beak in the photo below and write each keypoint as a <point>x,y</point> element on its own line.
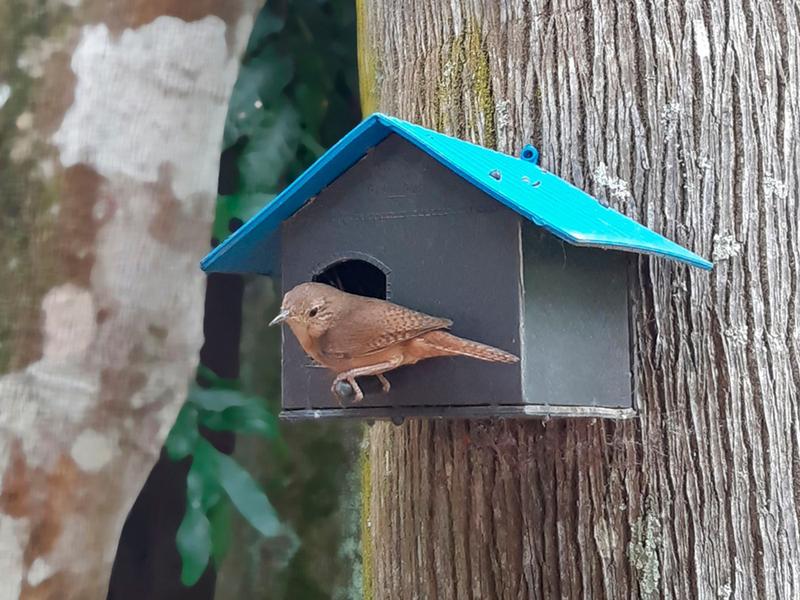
<point>280,318</point>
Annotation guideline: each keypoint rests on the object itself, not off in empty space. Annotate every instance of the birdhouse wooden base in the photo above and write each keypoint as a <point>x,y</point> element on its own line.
<point>398,415</point>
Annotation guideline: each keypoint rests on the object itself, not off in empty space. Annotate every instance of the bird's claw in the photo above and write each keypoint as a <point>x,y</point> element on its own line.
<point>342,390</point>
<point>345,388</point>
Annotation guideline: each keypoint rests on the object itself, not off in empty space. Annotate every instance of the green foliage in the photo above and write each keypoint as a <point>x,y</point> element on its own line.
<point>214,478</point>
<point>246,496</point>
<point>220,519</point>
<point>194,544</point>
<point>295,96</point>
<point>184,434</point>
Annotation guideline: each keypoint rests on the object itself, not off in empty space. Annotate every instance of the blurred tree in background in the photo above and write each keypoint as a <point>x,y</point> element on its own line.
<point>296,95</point>
<point>111,119</point>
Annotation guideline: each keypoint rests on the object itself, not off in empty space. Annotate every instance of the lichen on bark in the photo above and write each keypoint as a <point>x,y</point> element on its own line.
<point>643,551</point>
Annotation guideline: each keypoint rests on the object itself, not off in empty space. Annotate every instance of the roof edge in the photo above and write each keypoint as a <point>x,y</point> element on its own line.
<point>369,133</point>
<point>306,179</point>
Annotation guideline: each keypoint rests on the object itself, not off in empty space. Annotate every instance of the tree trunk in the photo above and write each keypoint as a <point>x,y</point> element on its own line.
<point>682,115</point>
<point>111,119</point>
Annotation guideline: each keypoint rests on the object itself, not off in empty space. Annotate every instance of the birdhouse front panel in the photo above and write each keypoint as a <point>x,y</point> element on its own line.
<point>401,227</point>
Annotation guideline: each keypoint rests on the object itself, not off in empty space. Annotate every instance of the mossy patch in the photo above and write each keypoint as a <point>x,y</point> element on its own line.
<point>477,61</point>
<point>28,191</point>
<point>368,63</point>
<point>464,99</point>
<point>366,523</point>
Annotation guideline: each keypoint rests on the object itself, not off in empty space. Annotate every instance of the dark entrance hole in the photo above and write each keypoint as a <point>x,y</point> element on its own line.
<point>355,276</point>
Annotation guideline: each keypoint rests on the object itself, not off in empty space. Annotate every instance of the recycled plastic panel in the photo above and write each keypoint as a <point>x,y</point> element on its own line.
<point>447,249</point>
<point>575,325</point>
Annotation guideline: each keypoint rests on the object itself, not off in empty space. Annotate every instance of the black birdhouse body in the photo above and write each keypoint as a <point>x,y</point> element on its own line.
<point>516,257</point>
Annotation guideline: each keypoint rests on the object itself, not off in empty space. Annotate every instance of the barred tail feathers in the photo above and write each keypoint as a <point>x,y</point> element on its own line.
<point>451,345</point>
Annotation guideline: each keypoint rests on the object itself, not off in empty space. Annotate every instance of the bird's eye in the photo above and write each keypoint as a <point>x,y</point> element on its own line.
<point>313,312</point>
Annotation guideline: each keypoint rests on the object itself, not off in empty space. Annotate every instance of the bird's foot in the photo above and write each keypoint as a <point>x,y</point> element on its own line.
<point>344,387</point>
<point>342,391</point>
<point>377,370</point>
<point>384,383</point>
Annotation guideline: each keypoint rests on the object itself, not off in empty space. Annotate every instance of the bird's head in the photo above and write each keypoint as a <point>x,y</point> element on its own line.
<point>309,307</point>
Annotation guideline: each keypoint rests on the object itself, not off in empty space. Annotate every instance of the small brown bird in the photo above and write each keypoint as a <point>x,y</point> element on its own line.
<point>355,336</point>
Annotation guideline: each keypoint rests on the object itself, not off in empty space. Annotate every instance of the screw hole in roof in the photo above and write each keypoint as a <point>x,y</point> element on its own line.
<point>495,174</point>
<point>526,179</point>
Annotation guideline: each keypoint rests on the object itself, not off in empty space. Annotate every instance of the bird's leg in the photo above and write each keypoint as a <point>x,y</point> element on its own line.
<point>376,369</point>
<point>384,383</point>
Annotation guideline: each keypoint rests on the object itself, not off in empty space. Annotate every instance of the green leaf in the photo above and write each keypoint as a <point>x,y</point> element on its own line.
<point>218,399</point>
<point>311,101</point>
<point>202,485</point>
<point>240,206</point>
<point>244,493</point>
<point>183,436</point>
<point>265,25</point>
<point>248,498</point>
<point>270,150</point>
<point>313,146</point>
<point>220,518</point>
<point>194,544</point>
<point>243,419</point>
<point>257,91</point>
<point>214,380</point>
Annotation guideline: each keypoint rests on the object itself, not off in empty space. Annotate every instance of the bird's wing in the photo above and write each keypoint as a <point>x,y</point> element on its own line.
<point>374,325</point>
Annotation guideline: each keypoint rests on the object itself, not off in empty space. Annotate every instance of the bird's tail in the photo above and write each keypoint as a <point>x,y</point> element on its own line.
<point>451,345</point>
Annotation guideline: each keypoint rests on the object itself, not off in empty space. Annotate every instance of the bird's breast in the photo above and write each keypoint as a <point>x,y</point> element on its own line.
<point>406,352</point>
<point>309,344</point>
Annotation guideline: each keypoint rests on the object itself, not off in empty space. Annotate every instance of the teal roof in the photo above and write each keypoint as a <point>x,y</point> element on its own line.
<point>547,200</point>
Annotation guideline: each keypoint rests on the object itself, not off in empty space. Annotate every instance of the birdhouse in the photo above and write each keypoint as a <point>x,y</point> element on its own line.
<point>515,256</point>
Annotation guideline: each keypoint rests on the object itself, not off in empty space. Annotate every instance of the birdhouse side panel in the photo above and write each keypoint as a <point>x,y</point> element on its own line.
<point>575,324</point>
<point>444,248</point>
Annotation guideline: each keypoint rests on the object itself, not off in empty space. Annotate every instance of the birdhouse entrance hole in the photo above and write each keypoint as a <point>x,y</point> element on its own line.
<point>356,277</point>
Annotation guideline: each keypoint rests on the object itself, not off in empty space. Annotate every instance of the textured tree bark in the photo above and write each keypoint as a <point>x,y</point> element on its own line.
<point>111,119</point>
<point>682,115</point>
